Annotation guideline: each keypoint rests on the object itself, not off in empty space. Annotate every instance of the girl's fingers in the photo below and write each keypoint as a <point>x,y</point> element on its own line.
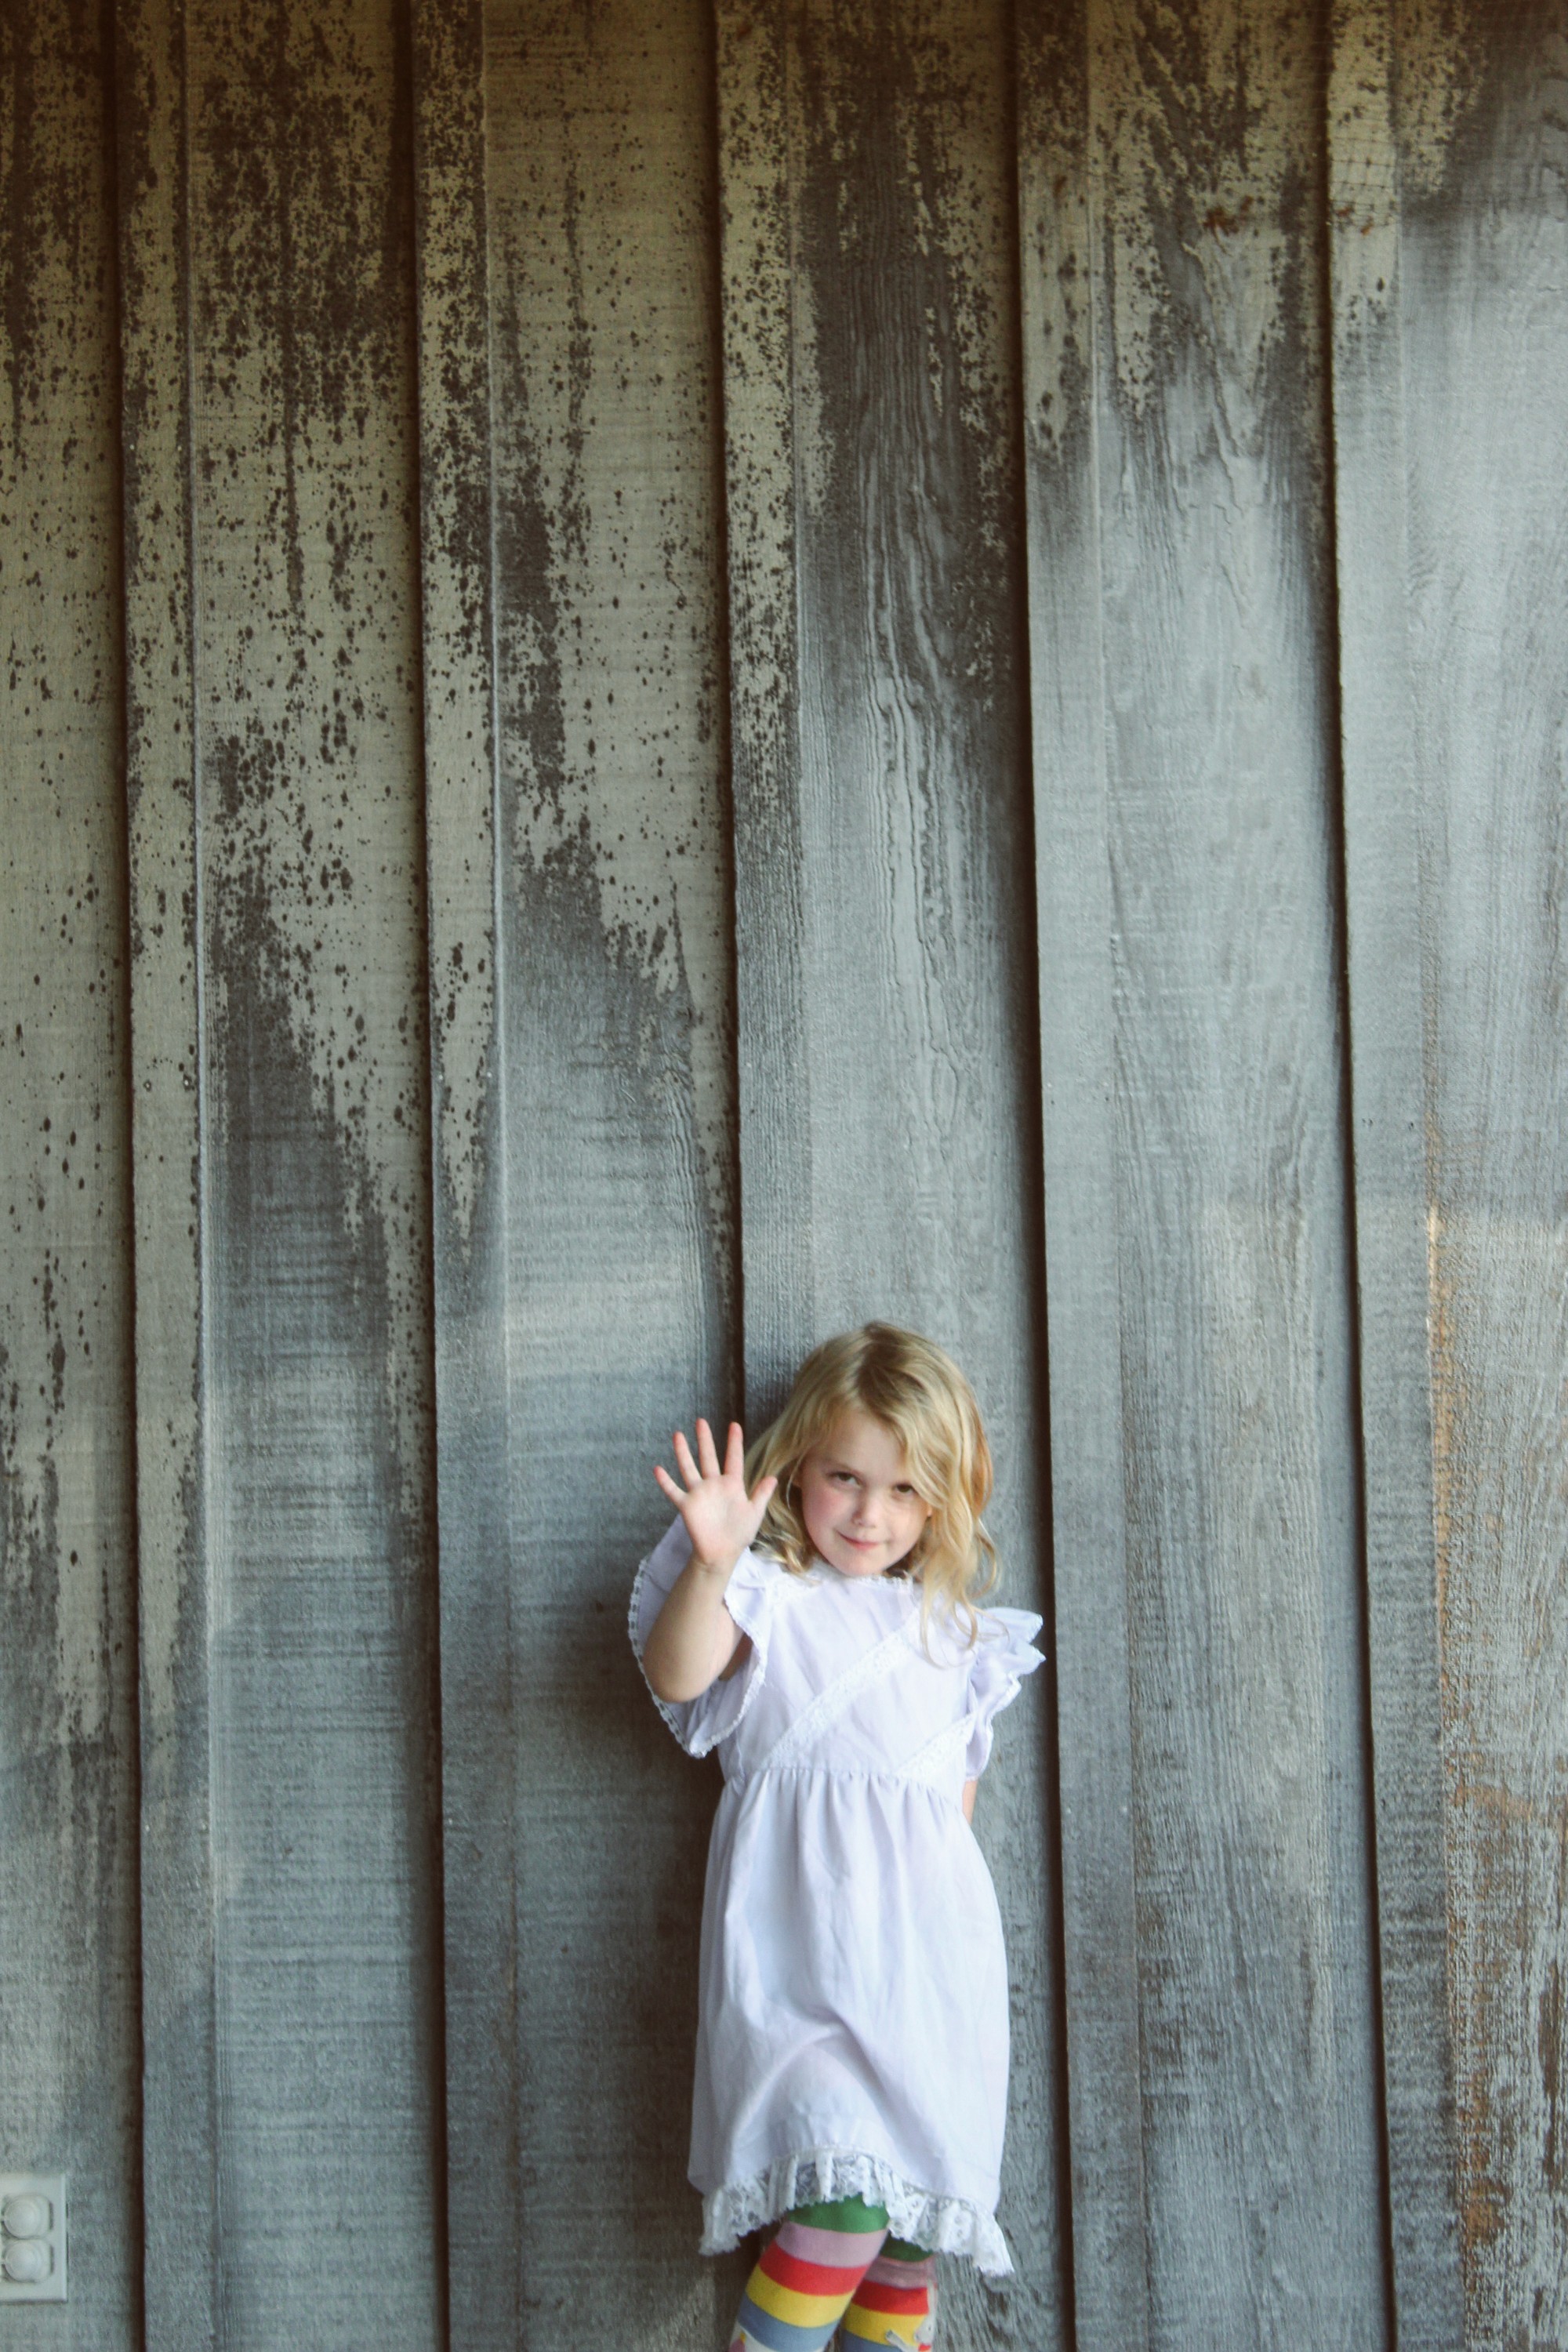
<point>683,1462</point>
<point>706,1464</point>
<point>666,1483</point>
<point>764,1492</point>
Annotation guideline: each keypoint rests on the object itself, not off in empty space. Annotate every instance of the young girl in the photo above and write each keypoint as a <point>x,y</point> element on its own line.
<point>811,1614</point>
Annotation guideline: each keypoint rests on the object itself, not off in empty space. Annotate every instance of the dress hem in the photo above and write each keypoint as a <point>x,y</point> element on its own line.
<point>943,2225</point>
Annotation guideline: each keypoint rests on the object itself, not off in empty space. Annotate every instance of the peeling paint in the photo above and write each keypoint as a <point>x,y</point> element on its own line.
<point>282,1196</point>
<point>585,1288</point>
<point>277,842</point>
<point>759,428</point>
<point>308,645</point>
<point>932,67</point>
<point>872,450</point>
<point>455,491</point>
<point>1441,47</point>
<point>68,2030</point>
<point>1365,173</point>
<point>1202,162</point>
<point>612,699</point>
<point>65,1297</point>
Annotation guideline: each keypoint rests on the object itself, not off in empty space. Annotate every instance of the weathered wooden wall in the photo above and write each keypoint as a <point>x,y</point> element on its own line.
<point>1200,1283</point>
<point>585,1208</point>
<point>887,1122</point>
<point>1451,260</point>
<point>70,2041</point>
<point>292,2000</point>
<point>679,672</point>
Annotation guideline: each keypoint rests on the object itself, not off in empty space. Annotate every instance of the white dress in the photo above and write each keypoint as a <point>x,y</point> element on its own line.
<point>852,2036</point>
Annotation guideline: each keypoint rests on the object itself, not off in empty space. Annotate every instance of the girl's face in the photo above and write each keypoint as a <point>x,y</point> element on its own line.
<point>860,1510</point>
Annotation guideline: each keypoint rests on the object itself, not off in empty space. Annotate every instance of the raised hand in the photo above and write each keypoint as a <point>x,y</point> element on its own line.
<point>721,1516</point>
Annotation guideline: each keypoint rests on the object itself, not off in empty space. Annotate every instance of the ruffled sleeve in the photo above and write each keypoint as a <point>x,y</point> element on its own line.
<point>700,1723</point>
<point>1000,1659</point>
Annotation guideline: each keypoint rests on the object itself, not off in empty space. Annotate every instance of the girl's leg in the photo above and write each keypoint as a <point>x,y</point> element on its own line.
<point>803,2285</point>
<point>895,2302</point>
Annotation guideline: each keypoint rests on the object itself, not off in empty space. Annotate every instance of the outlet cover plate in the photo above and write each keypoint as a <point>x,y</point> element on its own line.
<point>51,2188</point>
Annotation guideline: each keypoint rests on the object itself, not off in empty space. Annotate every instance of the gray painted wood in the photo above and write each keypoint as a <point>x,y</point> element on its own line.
<point>471,1310</point>
<point>177,1956</point>
<point>1462,350</point>
<point>1194,1115</point>
<point>573,961</point>
<point>1484,276</point>
<point>1388,1032</point>
<point>1061,334</point>
<point>286,1352</point>
<point>69,2028</point>
<point>585,1151</point>
<point>759,423</point>
<point>883,925</point>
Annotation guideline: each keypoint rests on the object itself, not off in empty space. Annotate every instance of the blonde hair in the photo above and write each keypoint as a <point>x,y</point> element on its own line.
<point>920,1396</point>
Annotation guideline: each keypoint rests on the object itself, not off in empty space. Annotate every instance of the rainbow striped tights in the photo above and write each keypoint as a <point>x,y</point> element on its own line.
<point>832,2266</point>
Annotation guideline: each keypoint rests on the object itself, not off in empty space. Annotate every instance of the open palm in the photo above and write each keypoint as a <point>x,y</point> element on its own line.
<point>721,1516</point>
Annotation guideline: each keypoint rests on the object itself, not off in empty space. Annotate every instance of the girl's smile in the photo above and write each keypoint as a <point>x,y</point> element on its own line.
<point>860,1509</point>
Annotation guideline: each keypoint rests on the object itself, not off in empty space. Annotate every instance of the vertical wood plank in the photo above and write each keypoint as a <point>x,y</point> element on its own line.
<point>1060,282</point>
<point>280,947</point>
<point>618,1042</point>
<point>69,2028</point>
<point>884,930</point>
<point>1387,1030</point>
<point>758,249</point>
<point>1194,1131</point>
<point>180,2120</point>
<point>1450,347</point>
<point>1484,275</point>
<point>471,1307</point>
<point>586,1184</point>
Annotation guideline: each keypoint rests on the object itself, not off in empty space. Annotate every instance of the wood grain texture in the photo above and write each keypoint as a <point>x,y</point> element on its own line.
<point>396,1030</point>
<point>1204,1132</point>
<point>69,2033</point>
<point>312,1946</point>
<point>1386,955</point>
<point>585,1161</point>
<point>470,1311</point>
<point>1483,272</point>
<point>180,2122</point>
<point>754,48</point>
<point>1061,331</point>
<point>889,1109</point>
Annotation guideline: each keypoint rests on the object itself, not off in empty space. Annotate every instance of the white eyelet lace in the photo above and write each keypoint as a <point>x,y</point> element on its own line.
<point>821,2175</point>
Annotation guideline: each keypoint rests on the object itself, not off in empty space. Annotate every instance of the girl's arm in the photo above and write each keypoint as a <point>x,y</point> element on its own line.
<point>969,1789</point>
<point>694,1637</point>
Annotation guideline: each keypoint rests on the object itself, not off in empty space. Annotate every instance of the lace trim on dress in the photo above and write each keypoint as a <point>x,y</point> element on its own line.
<point>820,2175</point>
<point>933,1762</point>
<point>1005,1656</point>
<point>872,1666</point>
<point>754,1671</point>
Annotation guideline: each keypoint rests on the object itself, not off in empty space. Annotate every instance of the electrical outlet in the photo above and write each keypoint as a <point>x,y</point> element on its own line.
<point>32,2237</point>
